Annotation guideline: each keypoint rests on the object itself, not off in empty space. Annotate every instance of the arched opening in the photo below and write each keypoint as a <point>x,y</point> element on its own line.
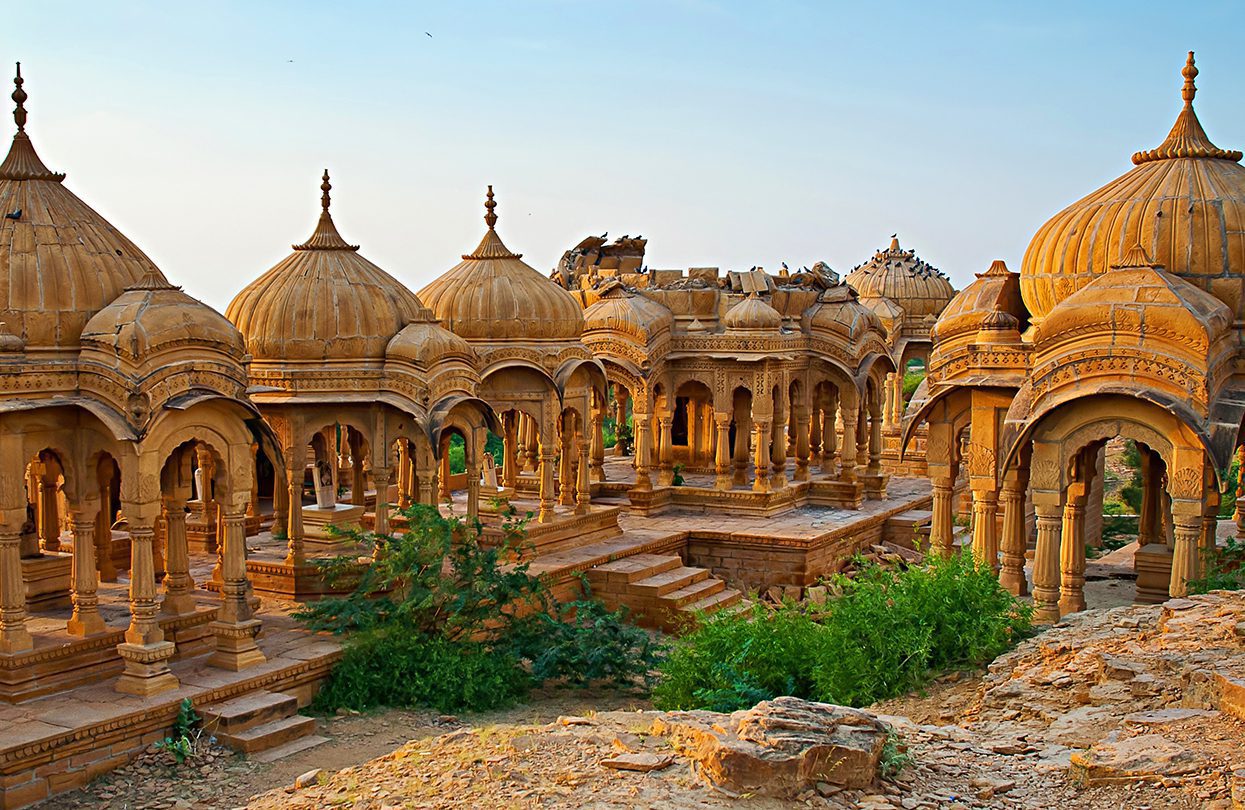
<point>691,429</point>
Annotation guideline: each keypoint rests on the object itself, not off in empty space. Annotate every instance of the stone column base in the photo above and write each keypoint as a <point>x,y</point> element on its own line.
<point>146,668</point>
<point>235,645</point>
<point>1153,563</point>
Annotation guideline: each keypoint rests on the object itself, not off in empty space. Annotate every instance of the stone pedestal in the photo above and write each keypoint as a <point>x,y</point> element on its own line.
<point>46,579</point>
<point>875,485</point>
<point>496,501</point>
<point>200,529</point>
<point>146,668</point>
<point>1153,564</point>
<point>235,645</point>
<point>318,519</point>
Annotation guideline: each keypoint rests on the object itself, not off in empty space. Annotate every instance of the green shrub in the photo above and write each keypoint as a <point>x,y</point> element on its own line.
<point>1225,570</point>
<point>445,620</point>
<point>886,633</point>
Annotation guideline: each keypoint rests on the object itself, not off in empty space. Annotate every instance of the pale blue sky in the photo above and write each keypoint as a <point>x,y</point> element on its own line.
<point>728,133</point>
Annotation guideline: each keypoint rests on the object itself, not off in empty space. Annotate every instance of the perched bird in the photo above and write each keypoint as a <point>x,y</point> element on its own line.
<point>602,236</point>
<point>15,215</point>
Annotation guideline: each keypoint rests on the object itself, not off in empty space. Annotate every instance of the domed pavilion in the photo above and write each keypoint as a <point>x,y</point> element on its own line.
<point>761,392</point>
<point>535,371</point>
<point>907,294</point>
<point>120,391</point>
<point>1124,323</point>
<point>356,378</point>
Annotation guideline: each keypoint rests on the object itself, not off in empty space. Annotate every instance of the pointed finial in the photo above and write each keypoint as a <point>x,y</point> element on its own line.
<point>894,241</point>
<point>490,217</point>
<point>19,96</point>
<point>1190,73</point>
<point>325,188</point>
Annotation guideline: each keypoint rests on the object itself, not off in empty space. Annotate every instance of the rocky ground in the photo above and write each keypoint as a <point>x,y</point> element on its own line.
<point>1126,707</point>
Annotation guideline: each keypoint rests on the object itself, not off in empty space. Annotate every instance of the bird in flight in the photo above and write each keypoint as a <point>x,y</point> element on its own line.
<point>428,35</point>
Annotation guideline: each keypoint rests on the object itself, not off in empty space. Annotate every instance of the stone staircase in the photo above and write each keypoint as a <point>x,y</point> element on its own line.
<point>264,725</point>
<point>659,590</point>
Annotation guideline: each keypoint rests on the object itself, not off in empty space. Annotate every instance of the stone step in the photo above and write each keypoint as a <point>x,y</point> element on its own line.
<point>1232,695</point>
<point>728,599</point>
<point>247,711</point>
<point>290,748</point>
<point>634,568</point>
<point>668,581</point>
<point>693,593</point>
<point>269,735</point>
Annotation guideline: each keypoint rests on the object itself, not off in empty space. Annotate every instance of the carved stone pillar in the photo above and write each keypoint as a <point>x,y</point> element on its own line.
<point>145,652</point>
<point>722,457</point>
<point>566,464</point>
<point>875,444</point>
<point>829,440</point>
<point>1210,528</point>
<point>888,404</point>
<point>474,471</point>
<point>510,449</point>
<point>533,444</point>
<point>280,508</point>
<point>444,491</point>
<point>547,460</point>
<point>598,445</point>
<point>740,457</point>
<point>178,585</point>
<point>1187,521</point>
<point>941,530</point>
<point>620,417</point>
<point>643,479</point>
<point>1049,511</point>
<point>295,554</point>
<point>847,465</point>
<point>14,637</point>
<point>814,437</point>
<point>803,447</point>
<point>86,620</point>
<point>358,480</point>
<point>381,476</point>
<point>1072,552</point>
<point>1239,515</point>
<point>985,531</point>
<point>862,442</point>
<point>583,486</point>
<point>49,515</point>
<point>103,525</point>
<point>762,437</point>
<point>404,474</point>
<point>252,505</point>
<point>1012,574</point>
<point>778,456</point>
<point>235,627</point>
<point>665,451</point>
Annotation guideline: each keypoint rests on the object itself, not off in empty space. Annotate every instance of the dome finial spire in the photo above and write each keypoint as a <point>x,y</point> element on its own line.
<point>1190,73</point>
<point>490,217</point>
<point>19,96</point>
<point>325,188</point>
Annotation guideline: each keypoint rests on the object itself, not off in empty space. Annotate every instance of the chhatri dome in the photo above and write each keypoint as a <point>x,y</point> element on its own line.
<point>60,261</point>
<point>323,302</point>
<point>494,295</point>
<point>897,277</point>
<point>1184,200</point>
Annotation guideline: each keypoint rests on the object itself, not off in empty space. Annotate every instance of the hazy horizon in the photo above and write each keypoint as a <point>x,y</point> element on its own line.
<point>728,134</point>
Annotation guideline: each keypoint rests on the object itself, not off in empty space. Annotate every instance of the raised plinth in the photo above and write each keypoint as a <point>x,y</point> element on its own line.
<point>318,521</point>
<point>46,578</point>
<point>296,582</point>
<point>1153,562</point>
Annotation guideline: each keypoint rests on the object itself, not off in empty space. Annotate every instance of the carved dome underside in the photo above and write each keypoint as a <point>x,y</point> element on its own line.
<point>1184,202</point>
<point>901,277</point>
<point>153,316</point>
<point>60,261</point>
<point>323,302</point>
<point>492,295</point>
<point>633,315</point>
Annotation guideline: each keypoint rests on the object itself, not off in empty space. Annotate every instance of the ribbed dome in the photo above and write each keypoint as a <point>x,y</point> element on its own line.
<point>900,276</point>
<point>839,314</point>
<point>1166,313</point>
<point>752,315</point>
<point>425,342</point>
<point>493,295</point>
<point>60,261</point>
<point>1184,200</point>
<point>994,292</point>
<point>322,302</point>
<point>154,315</point>
<point>635,316</point>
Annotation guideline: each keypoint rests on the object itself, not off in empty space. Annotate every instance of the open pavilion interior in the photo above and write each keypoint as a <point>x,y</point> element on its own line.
<point>170,476</point>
